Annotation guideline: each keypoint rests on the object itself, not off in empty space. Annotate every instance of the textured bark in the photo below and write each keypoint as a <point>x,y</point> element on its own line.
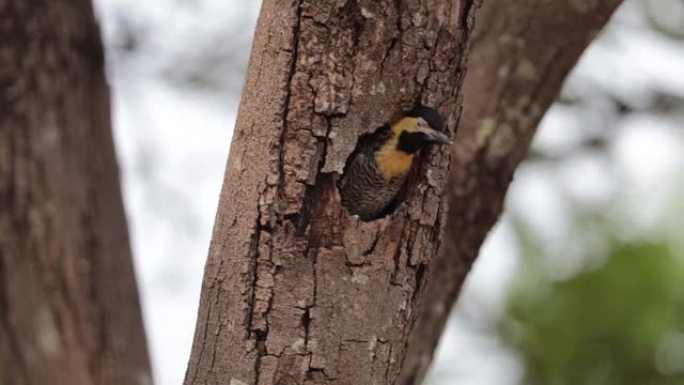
<point>295,290</point>
<point>69,312</point>
<point>522,51</point>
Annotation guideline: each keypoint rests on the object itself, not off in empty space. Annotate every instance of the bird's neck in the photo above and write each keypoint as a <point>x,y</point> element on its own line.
<point>391,162</point>
<point>392,159</point>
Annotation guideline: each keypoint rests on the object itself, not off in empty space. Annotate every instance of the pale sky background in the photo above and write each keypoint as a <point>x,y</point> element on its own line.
<point>176,68</point>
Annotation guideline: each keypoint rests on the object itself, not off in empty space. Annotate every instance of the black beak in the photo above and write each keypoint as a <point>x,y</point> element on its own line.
<point>437,137</point>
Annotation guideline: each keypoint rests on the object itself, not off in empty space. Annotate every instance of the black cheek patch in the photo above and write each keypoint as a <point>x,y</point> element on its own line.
<point>411,142</point>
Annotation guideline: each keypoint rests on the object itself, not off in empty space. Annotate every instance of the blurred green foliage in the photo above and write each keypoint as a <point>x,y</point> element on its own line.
<point>621,323</point>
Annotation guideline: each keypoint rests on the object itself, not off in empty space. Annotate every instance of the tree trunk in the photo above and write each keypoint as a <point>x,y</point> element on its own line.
<point>295,290</point>
<point>522,51</point>
<point>69,312</point>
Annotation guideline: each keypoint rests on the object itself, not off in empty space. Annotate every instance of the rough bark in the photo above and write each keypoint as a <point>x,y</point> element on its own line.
<point>69,312</point>
<point>295,290</point>
<point>522,52</point>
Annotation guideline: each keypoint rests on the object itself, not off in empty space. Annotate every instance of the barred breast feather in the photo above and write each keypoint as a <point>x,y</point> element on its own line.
<point>365,192</point>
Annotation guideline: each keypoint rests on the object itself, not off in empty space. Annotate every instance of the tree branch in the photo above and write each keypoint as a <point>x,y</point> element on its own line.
<point>522,51</point>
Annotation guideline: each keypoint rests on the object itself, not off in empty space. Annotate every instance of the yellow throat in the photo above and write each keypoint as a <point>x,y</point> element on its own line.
<point>392,162</point>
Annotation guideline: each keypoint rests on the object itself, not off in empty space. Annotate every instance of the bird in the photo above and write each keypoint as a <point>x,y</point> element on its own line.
<point>377,169</point>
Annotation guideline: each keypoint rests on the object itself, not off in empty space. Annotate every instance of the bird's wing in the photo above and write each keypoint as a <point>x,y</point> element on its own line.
<point>356,160</point>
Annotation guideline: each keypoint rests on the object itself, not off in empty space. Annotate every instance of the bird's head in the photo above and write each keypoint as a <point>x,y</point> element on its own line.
<point>419,128</point>
<point>422,126</point>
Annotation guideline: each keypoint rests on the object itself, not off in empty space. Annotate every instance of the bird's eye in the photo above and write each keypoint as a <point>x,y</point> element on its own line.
<point>422,124</point>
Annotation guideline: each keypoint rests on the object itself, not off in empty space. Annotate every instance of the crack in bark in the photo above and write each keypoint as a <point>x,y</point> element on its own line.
<point>284,114</point>
<point>253,265</point>
<point>262,336</point>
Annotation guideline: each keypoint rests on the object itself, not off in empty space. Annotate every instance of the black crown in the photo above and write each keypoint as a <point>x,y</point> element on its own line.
<point>430,115</point>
